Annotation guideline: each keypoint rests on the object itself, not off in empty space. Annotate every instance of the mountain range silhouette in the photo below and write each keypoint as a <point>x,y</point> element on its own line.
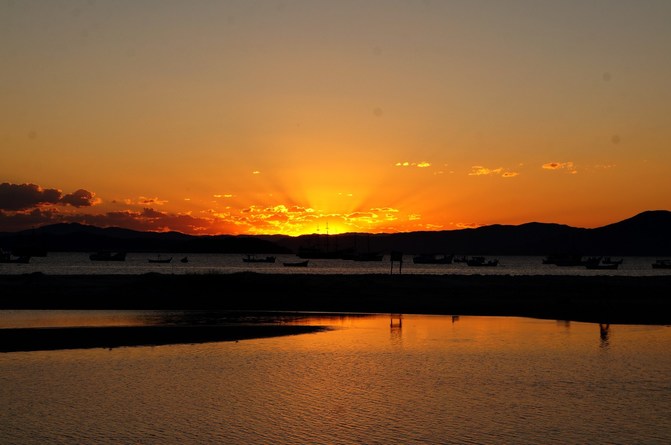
<point>645,234</point>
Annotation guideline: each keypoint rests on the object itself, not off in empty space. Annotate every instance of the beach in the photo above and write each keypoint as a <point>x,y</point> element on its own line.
<point>598,299</point>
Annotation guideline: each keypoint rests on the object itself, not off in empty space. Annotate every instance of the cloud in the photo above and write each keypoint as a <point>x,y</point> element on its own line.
<point>385,209</point>
<point>26,196</point>
<point>478,170</point>
<point>15,221</point>
<point>422,164</point>
<point>16,197</point>
<point>365,216</point>
<point>568,166</point>
<point>80,198</point>
<point>142,201</point>
<point>147,219</point>
<point>463,225</point>
<point>149,201</point>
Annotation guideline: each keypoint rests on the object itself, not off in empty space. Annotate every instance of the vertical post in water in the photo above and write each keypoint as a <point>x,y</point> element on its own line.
<point>396,256</point>
<point>398,318</point>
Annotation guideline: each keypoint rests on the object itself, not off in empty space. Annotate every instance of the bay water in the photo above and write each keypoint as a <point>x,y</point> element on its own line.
<point>369,379</point>
<point>57,263</point>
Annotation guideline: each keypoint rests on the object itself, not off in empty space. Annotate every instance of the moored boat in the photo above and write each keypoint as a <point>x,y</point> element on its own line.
<point>662,264</point>
<point>254,259</point>
<point>601,265</point>
<point>609,260</point>
<point>296,263</point>
<point>158,259</point>
<point>481,261</point>
<point>6,257</point>
<point>108,256</point>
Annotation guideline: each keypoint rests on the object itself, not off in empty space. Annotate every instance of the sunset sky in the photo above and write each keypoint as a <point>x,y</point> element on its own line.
<point>310,116</point>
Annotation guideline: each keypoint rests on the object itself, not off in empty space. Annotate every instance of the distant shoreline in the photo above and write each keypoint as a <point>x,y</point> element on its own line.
<point>603,299</point>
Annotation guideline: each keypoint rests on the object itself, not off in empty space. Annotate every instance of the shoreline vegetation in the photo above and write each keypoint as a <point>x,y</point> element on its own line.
<point>598,299</point>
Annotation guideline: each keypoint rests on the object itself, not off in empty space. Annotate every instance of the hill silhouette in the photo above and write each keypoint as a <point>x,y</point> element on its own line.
<point>645,234</point>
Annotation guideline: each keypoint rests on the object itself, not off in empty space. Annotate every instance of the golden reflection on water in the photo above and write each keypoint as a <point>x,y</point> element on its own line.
<point>500,334</point>
<point>371,379</point>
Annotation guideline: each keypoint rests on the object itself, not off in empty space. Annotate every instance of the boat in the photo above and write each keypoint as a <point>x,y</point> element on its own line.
<point>609,260</point>
<point>481,261</point>
<point>601,265</point>
<point>108,256</point>
<point>184,260</point>
<point>254,259</point>
<point>662,264</point>
<point>158,259</point>
<point>6,257</point>
<point>296,263</point>
<point>432,258</point>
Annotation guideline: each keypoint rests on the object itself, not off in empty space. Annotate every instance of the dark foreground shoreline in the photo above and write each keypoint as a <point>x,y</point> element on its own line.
<point>599,299</point>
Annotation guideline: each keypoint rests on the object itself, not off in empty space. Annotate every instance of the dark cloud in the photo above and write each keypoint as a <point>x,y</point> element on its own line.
<point>146,220</point>
<point>80,198</point>
<point>16,197</point>
<point>26,196</point>
<point>149,213</point>
<point>14,222</point>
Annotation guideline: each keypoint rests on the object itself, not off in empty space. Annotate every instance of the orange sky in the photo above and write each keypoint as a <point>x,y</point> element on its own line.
<point>291,117</point>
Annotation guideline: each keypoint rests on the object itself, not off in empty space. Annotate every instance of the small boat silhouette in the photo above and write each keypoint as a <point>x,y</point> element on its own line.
<point>297,264</point>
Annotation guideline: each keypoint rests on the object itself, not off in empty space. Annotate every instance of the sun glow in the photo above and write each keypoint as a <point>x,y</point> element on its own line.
<point>265,120</point>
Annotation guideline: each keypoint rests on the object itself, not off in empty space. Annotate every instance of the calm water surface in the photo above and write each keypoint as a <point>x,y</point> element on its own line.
<point>370,380</point>
<point>138,263</point>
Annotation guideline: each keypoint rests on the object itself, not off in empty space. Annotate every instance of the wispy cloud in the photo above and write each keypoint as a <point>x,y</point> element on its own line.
<point>385,209</point>
<point>567,166</point>
<point>463,225</point>
<point>479,170</point>
<point>151,201</point>
<point>422,164</point>
<point>142,201</point>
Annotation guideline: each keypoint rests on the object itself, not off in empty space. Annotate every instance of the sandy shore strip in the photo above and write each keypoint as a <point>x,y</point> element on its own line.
<point>602,299</point>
